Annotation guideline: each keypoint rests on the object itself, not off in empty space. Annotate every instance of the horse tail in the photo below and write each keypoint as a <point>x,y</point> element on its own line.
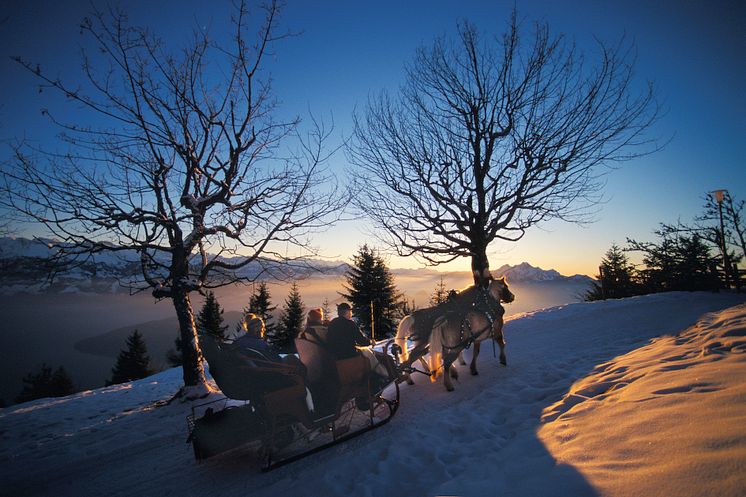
<point>403,332</point>
<point>436,346</point>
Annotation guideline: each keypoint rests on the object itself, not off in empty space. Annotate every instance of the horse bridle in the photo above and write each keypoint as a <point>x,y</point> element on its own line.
<point>489,311</point>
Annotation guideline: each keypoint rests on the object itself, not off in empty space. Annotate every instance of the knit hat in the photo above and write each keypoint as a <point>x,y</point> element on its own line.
<point>315,315</point>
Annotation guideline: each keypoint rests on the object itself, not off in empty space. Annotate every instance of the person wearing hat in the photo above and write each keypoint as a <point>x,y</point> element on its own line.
<point>254,343</point>
<point>254,338</point>
<point>343,334</point>
<point>346,340</point>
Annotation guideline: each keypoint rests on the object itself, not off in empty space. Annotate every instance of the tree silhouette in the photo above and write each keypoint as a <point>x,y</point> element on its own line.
<point>46,383</point>
<point>440,294</point>
<point>733,222</point>
<point>210,318</point>
<point>677,262</point>
<point>486,139</point>
<point>260,304</point>
<point>326,307</point>
<point>133,363</point>
<point>370,283</point>
<point>615,279</point>
<point>292,321</point>
<point>174,356</point>
<point>192,171</point>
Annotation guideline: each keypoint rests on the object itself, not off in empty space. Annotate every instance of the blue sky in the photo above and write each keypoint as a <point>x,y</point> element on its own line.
<point>692,51</point>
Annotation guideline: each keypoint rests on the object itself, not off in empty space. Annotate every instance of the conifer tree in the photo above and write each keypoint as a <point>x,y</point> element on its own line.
<point>210,318</point>
<point>678,262</point>
<point>174,356</point>
<point>291,321</point>
<point>369,281</point>
<point>326,307</point>
<point>615,279</point>
<point>440,295</point>
<point>406,307</point>
<point>133,363</point>
<point>260,304</point>
<point>46,383</point>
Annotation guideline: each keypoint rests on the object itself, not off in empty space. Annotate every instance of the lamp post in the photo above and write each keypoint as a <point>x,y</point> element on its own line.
<point>719,197</point>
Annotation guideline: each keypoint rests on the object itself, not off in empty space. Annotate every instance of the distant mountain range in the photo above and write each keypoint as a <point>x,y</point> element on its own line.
<point>23,268</point>
<point>526,272</point>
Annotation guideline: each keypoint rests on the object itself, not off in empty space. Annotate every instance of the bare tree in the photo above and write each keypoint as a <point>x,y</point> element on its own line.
<point>488,138</point>
<point>707,227</point>
<point>192,170</point>
<point>735,229</point>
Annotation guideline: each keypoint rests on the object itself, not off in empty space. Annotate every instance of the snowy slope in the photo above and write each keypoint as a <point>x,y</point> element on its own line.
<point>597,400</point>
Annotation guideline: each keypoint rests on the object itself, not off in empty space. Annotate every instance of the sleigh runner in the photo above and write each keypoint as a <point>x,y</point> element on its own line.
<point>274,414</point>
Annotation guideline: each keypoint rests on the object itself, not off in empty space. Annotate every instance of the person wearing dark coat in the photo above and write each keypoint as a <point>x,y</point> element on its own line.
<point>343,334</point>
<point>254,343</point>
<point>254,338</point>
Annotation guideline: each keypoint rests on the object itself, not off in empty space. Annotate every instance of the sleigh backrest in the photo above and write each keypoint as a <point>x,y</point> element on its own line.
<point>245,374</point>
<point>332,382</point>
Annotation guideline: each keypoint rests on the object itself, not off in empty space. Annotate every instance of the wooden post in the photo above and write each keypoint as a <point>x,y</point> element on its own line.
<point>372,323</point>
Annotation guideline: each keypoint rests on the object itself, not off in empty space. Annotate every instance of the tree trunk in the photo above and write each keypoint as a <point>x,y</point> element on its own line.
<point>480,267</point>
<point>193,370</point>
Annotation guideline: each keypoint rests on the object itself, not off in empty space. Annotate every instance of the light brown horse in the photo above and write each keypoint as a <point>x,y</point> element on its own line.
<point>474,315</point>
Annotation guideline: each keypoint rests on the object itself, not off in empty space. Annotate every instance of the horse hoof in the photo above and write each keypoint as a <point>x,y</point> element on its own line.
<point>474,372</point>
<point>503,362</point>
<point>410,381</point>
<point>450,389</point>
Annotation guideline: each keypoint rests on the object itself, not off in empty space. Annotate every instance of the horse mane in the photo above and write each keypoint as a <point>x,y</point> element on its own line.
<point>466,290</point>
<point>469,289</point>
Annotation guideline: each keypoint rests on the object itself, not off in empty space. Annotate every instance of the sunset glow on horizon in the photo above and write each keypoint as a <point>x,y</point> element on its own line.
<point>692,52</point>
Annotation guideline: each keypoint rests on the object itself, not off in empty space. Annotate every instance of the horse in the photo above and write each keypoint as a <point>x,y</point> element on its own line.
<point>474,310</point>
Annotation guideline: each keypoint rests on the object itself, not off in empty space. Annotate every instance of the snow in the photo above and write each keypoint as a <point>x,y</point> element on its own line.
<point>640,396</point>
<point>526,272</point>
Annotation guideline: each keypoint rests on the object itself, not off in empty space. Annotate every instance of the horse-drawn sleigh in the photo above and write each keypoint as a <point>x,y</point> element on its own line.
<point>289,412</point>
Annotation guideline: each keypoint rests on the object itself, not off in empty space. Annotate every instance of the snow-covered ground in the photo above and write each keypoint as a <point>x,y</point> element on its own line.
<point>642,396</point>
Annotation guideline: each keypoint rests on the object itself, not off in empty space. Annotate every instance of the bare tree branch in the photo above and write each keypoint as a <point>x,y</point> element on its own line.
<point>192,171</point>
<point>488,138</point>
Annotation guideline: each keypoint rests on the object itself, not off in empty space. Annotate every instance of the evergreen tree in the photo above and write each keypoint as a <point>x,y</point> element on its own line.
<point>615,279</point>
<point>46,383</point>
<point>697,266</point>
<point>260,304</point>
<point>406,307</point>
<point>370,283</point>
<point>678,262</point>
<point>291,321</point>
<point>440,294</point>
<point>210,318</point>
<point>132,363</point>
<point>174,356</point>
<point>326,307</point>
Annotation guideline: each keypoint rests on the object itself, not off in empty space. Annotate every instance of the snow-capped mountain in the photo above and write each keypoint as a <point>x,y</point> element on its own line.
<point>24,266</point>
<point>526,272</point>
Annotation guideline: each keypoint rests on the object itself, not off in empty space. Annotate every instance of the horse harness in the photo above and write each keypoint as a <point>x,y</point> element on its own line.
<point>486,305</point>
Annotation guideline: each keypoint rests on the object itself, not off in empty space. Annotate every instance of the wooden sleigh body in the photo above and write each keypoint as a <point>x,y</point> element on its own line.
<point>273,411</point>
